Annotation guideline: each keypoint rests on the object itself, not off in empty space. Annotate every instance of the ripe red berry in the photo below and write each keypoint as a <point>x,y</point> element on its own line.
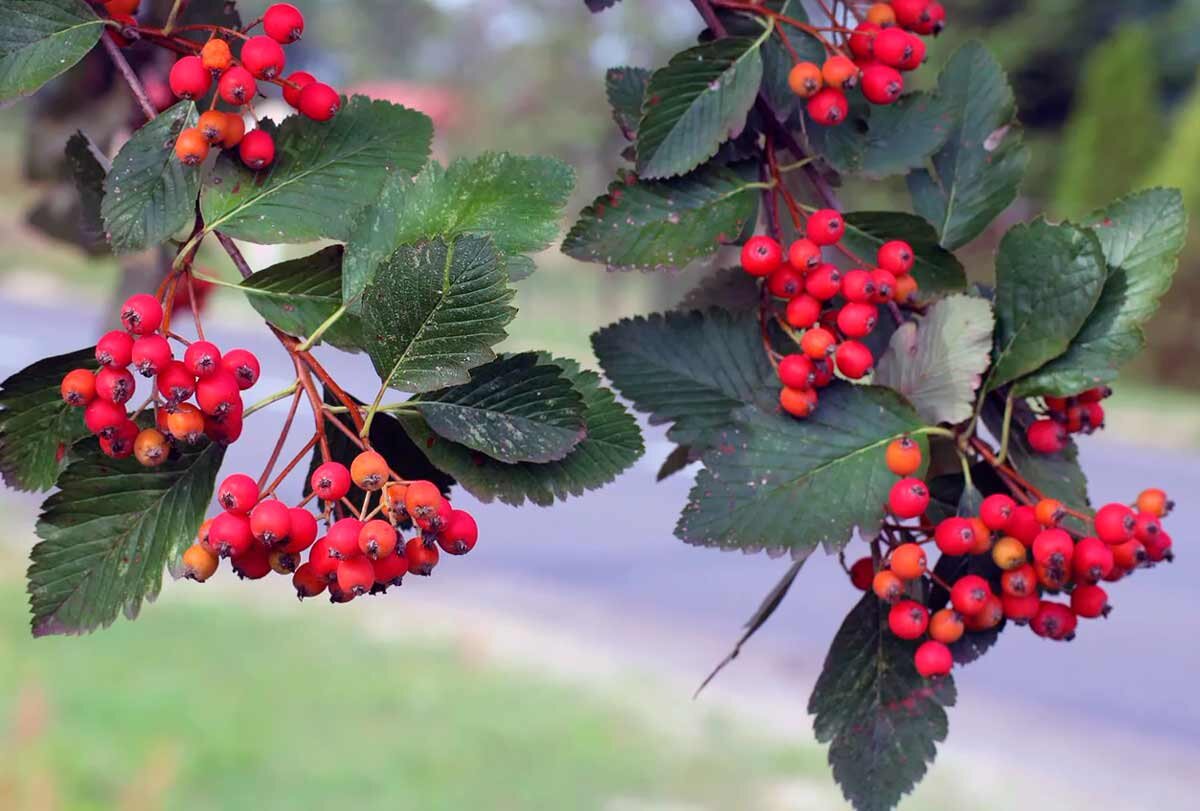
<point>323,562</point>
<point>908,498</point>
<point>828,107</point>
<point>302,530</point>
<point>141,313</point>
<point>882,84</point>
<point>356,575</point>
<point>459,534</point>
<point>118,443</point>
<point>225,429</point>
<point>114,349</point>
<point>893,47</point>
<point>102,417</point>
<point>932,21</point>
<point>910,13</point>
<point>1158,548</point>
<point>761,255</point>
<point>1092,560</point>
<point>238,493</point>
<point>237,86</point>
<point>421,557</point>
<point>1046,436</point>
<point>798,402</point>
<point>825,226</point>
<point>343,538</point>
<point>1129,555</point>
<point>1054,621</point>
<point>1090,602</point>
<point>78,387</point>
<point>803,311</point>
<point>263,57</point>
<point>818,342</point>
<point>970,594</point>
<point>218,394</point>
<point>283,22</point>
<point>189,79</point>
<point>857,320</point>
<point>862,574</point>
<point>862,41</point>
<point>804,255</point>
<point>202,358</point>
<point>115,385</point>
<point>257,149</point>
<point>955,536</point>
<point>908,619</point>
<point>885,283</point>
<point>175,382</point>
<point>1053,548</point>
<point>933,659</point>
<point>150,354</point>
<point>433,522</point>
<point>390,569</point>
<point>319,101</point>
<point>991,615</point>
<point>308,582</point>
<point>377,539</point>
<point>1115,523</point>
<point>896,257</point>
<point>1023,525</point>
<point>824,283</point>
<point>1020,609</point>
<point>243,365</point>
<point>1145,526</point>
<point>796,371</point>
<point>295,83</point>
<point>330,481</point>
<point>996,511</point>
<point>230,534</point>
<point>270,521</point>
<point>854,359</point>
<point>858,285</point>
<point>916,54</point>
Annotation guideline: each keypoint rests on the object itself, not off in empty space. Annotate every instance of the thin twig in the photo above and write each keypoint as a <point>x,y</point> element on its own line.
<point>131,78</point>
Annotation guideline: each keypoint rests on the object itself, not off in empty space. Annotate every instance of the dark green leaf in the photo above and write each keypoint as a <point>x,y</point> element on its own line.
<point>882,721</point>
<point>149,194</point>
<point>938,362</point>
<point>772,481</point>
<point>662,224</point>
<point>1048,279</point>
<point>881,141</point>
<point>516,201</point>
<point>936,270</point>
<point>40,39</point>
<point>626,88</point>
<point>300,294</point>
<point>730,289</point>
<point>612,444</point>
<point>690,369</point>
<point>1056,475</point>
<point>696,103</point>
<point>976,173</point>
<point>778,61</point>
<point>108,533</point>
<point>89,167</point>
<point>324,174</point>
<point>1141,236</point>
<point>36,427</point>
<point>434,311</point>
<point>514,409</point>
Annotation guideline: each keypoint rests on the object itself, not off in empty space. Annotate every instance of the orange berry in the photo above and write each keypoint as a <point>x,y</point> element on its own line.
<point>369,470</point>
<point>394,499</point>
<point>216,55</point>
<point>283,562</point>
<point>1009,553</point>
<point>78,387</point>
<point>1048,511</point>
<point>1153,501</point>
<point>422,499</point>
<point>191,147</point>
<point>199,563</point>
<point>805,79</point>
<point>818,342</point>
<point>235,129</point>
<point>798,402</point>
<point>908,561</point>
<point>840,73</point>
<point>186,423</point>
<point>881,14</point>
<point>904,456</point>
<point>202,535</point>
<point>151,447</point>
<point>946,626</point>
<point>904,289</point>
<point>212,126</point>
<point>887,586</point>
<point>983,537</point>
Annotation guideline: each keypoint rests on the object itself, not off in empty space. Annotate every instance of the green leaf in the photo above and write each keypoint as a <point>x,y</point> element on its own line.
<point>434,311</point>
<point>514,409</point>
<point>611,445</point>
<point>40,39</point>
<point>975,175</point>
<point>730,289</point>
<point>1141,236</point>
<point>626,89</point>
<point>936,270</point>
<point>149,194</point>
<point>36,427</point>
<point>772,481</point>
<point>515,200</point>
<point>881,719</point>
<point>89,166</point>
<point>696,103</point>
<point>1048,280</point>
<point>938,362</point>
<point>777,59</point>
<point>1056,475</point>
<point>690,369</point>
<point>880,141</point>
<point>109,532</point>
<point>663,224</point>
<point>300,294</point>
<point>325,173</point>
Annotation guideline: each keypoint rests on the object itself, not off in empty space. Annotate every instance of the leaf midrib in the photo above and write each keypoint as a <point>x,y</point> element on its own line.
<point>433,311</point>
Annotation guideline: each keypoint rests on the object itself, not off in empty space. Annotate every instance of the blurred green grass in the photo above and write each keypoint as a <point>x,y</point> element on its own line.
<point>204,704</point>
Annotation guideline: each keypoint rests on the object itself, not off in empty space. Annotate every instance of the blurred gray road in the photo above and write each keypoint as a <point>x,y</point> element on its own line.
<point>1134,674</point>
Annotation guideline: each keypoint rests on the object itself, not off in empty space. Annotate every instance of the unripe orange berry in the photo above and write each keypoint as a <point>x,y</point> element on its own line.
<point>393,497</point>
<point>840,73</point>
<point>1049,512</point>
<point>798,402</point>
<point>199,563</point>
<point>191,147</point>
<point>369,470</point>
<point>377,539</point>
<point>216,55</point>
<point>1009,553</point>
<point>904,456</point>
<point>887,586</point>
<point>151,447</point>
<point>904,289</point>
<point>881,14</point>
<point>79,387</point>
<point>983,537</point>
<point>805,79</point>
<point>235,130</point>
<point>422,499</point>
<point>212,126</point>
<point>818,342</point>
<point>946,626</point>
<point>908,561</point>
<point>1155,502</point>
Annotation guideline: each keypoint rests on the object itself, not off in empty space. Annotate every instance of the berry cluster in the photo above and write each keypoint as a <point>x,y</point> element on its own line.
<point>1016,557</point>
<point>882,47</point>
<point>215,380</point>
<point>1082,413</point>
<point>357,555</point>
<point>834,308</point>
<point>260,59</point>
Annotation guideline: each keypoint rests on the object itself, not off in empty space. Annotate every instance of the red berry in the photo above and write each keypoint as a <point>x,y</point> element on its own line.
<point>115,385</point>
<point>218,394</point>
<point>862,41</point>
<point>1115,523</point>
<point>296,82</point>
<point>818,342</point>
<point>911,13</point>
<point>230,535</point>
<point>1019,582</point>
<point>955,536</point>
<point>804,255</point>
<point>908,498</point>
<point>1023,525</point>
<point>243,365</point>
<point>237,86</point>
<point>283,22</point>
<point>1046,436</point>
<point>202,358</point>
<point>933,659</point>
<point>270,521</point>
<point>1090,602</point>
<point>175,382</point>
<point>377,539</point>
<point>908,619</point>
<point>257,149</point>
<point>933,20</point>
<point>828,107</point>
<point>189,79</point>
<point>858,285</point>
<point>761,255</point>
<point>355,575</point>
<point>1158,548</point>
<point>330,481</point>
<point>1054,621</point>
<point>895,257</point>
<point>114,349</point>
<point>824,283</point>
<point>991,615</point>
<point>459,534</point>
<point>389,569</point>
<point>970,594</point>
<point>916,54</point>
<point>893,47</point>
<point>862,574</point>
<point>885,283</point>
<point>882,84</point>
<point>1129,555</point>
<point>1092,560</point>
<point>119,442</point>
<point>141,314</point>
<point>421,557</point>
<point>803,311</point>
<point>1020,609</point>
<point>857,320</point>
<point>263,57</point>
<point>238,494</point>
<point>319,101</point>
<point>226,429</point>
<point>825,226</point>
<point>1054,549</point>
<point>798,402</point>
<point>323,562</point>
<point>253,564</point>
<point>78,387</point>
<point>423,500</point>
<point>102,417</point>
<point>150,354</point>
<point>996,511</point>
<point>302,530</point>
<point>796,371</point>
<point>784,282</point>
<point>854,359</point>
<point>343,538</point>
<point>308,582</point>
